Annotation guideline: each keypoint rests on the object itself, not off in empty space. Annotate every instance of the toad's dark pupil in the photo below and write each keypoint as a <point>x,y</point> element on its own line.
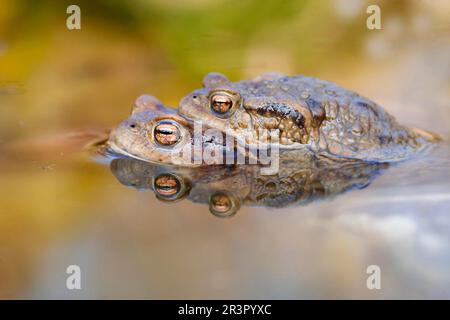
<point>162,131</point>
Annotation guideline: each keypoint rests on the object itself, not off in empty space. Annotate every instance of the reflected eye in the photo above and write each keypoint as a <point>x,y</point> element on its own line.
<point>221,103</point>
<point>166,133</point>
<point>221,204</point>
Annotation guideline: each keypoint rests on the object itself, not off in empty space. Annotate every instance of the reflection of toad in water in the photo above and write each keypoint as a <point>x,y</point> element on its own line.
<point>226,188</point>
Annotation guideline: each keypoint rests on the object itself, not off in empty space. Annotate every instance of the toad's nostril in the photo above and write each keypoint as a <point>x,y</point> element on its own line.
<point>133,125</point>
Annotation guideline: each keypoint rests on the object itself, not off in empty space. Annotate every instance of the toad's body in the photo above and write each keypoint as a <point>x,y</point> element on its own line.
<point>308,113</point>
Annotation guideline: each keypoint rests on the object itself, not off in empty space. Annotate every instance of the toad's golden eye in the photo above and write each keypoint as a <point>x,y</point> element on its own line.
<point>222,204</point>
<point>221,103</point>
<point>166,185</point>
<point>166,133</point>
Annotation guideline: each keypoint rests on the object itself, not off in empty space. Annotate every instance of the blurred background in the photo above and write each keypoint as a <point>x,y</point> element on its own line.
<point>59,87</point>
